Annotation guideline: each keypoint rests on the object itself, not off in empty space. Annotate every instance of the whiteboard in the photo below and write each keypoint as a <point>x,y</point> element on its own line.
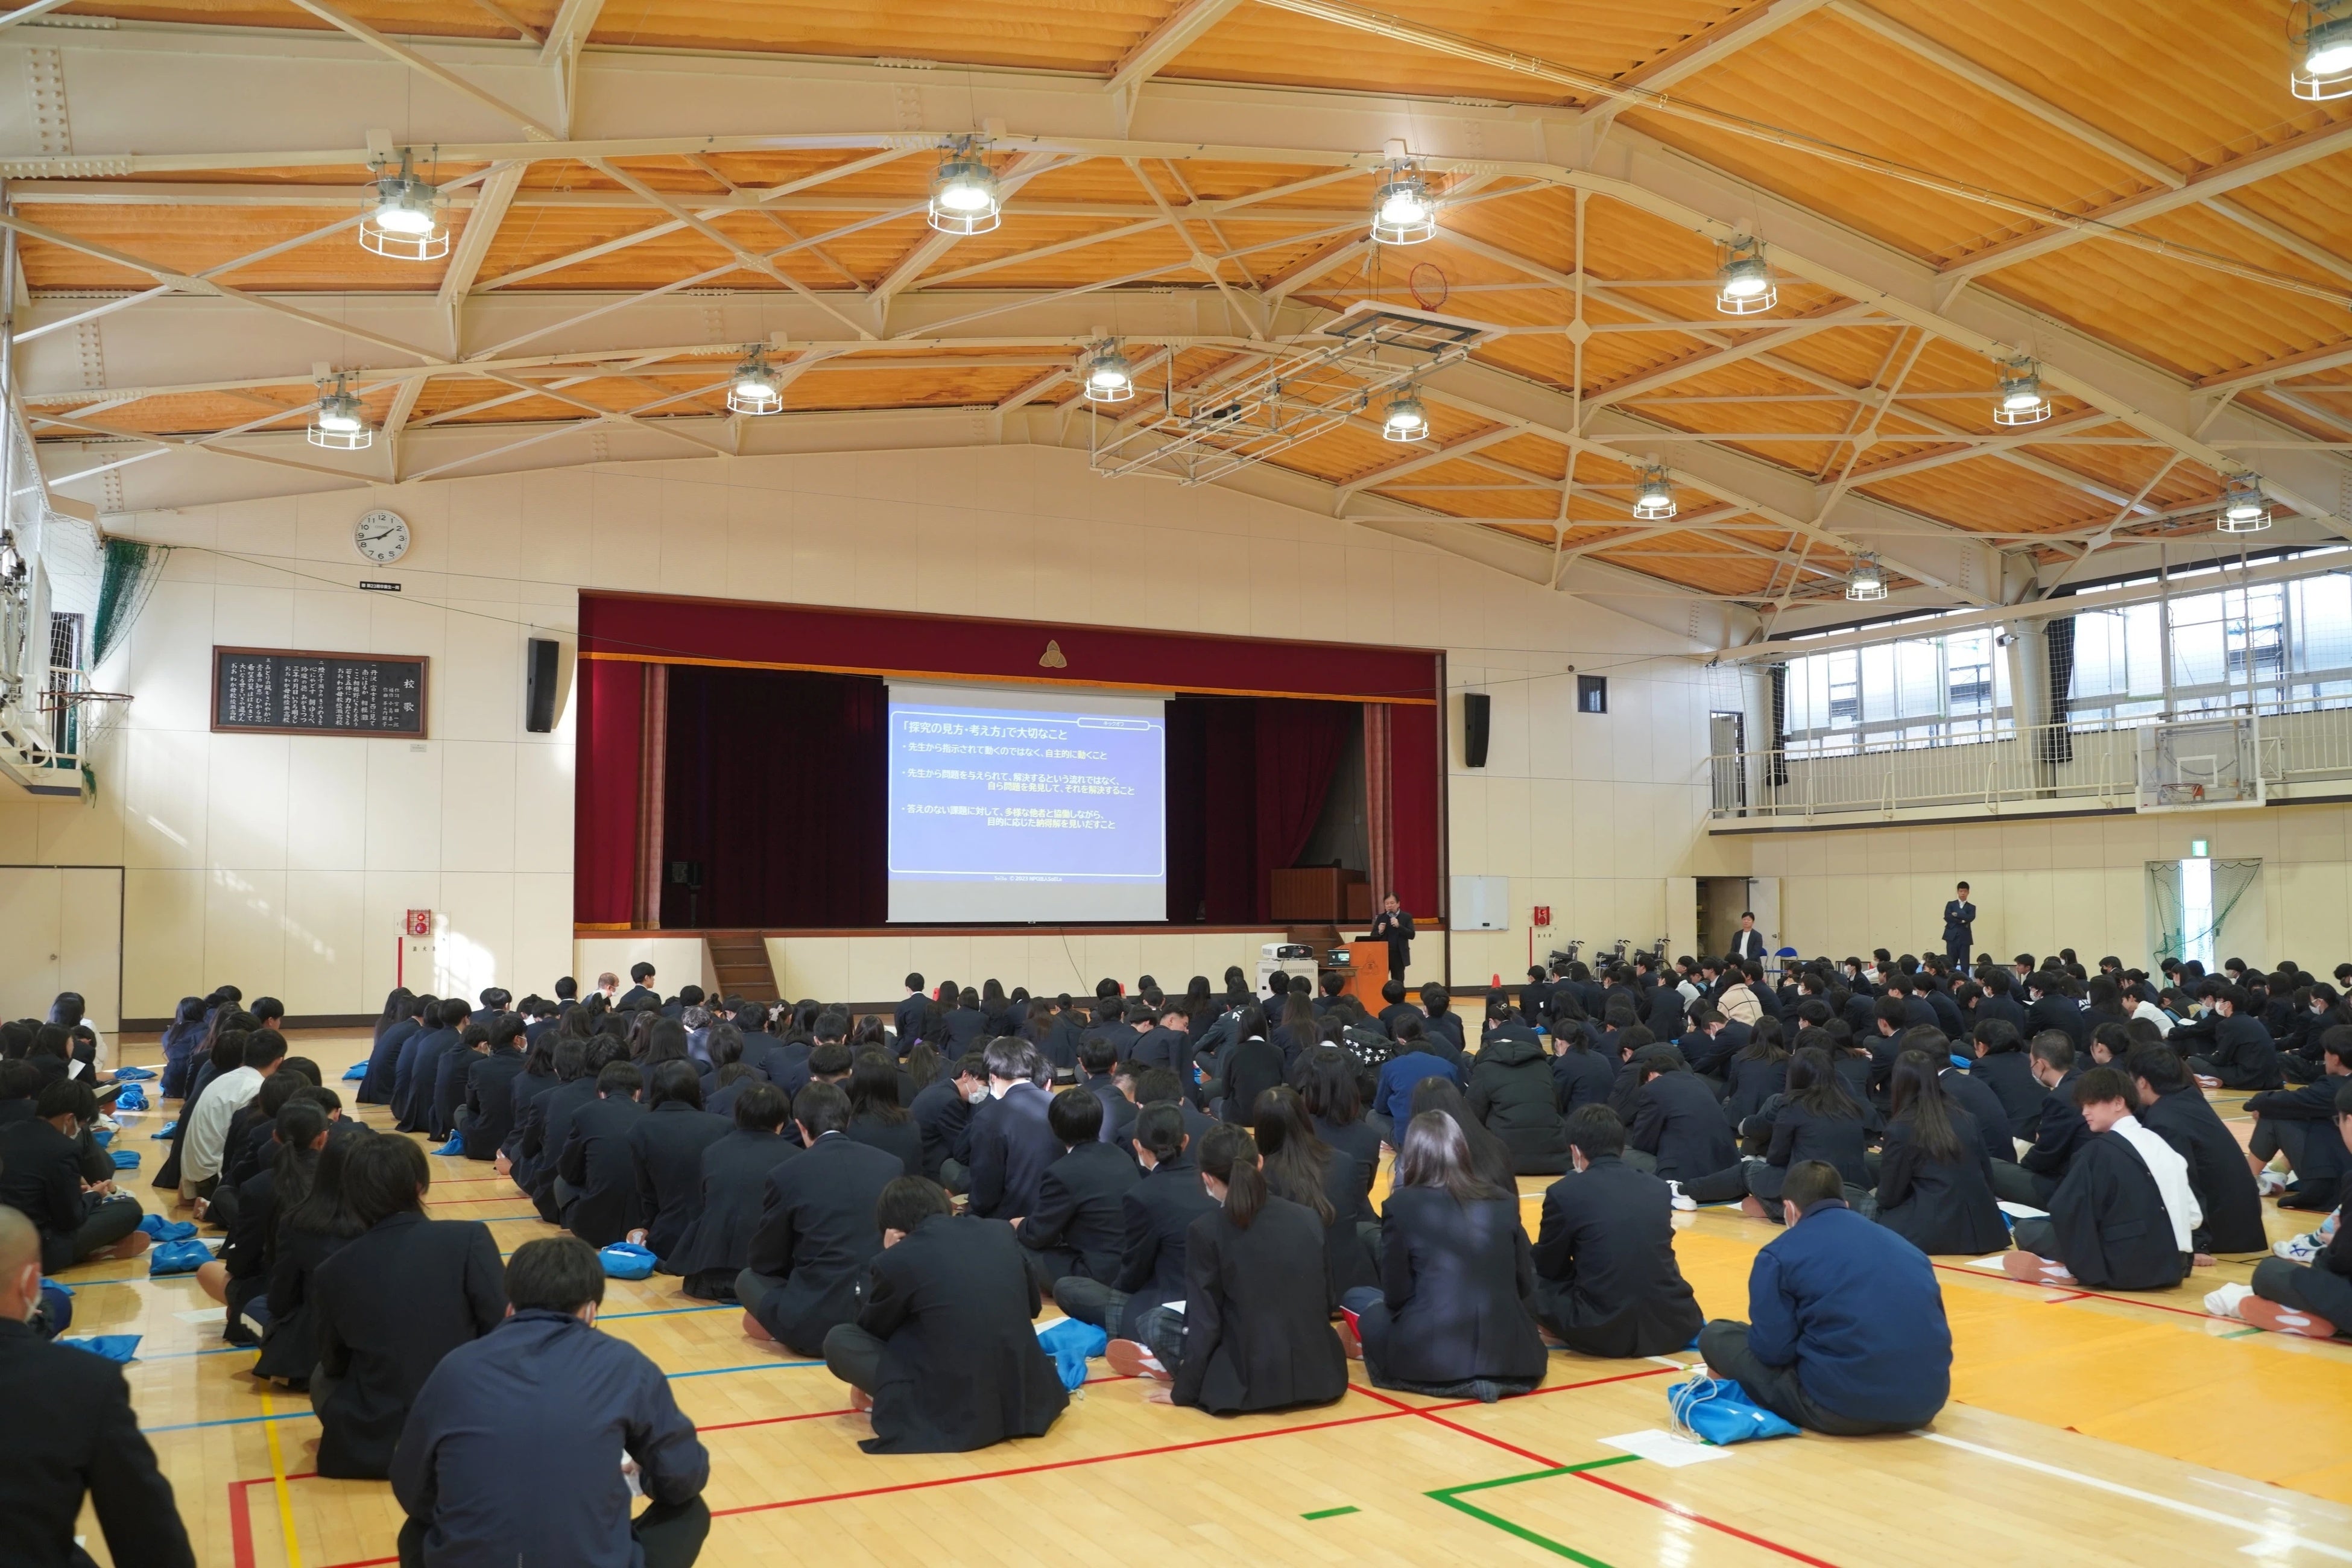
<point>1481,903</point>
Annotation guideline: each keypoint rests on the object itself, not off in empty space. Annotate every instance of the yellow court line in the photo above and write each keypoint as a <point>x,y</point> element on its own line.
<point>284,1493</point>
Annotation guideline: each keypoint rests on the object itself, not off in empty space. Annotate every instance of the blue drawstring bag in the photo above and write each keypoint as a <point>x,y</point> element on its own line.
<point>134,1075</point>
<point>132,1098</point>
<point>178,1258</point>
<point>113,1347</point>
<point>101,1136</point>
<point>126,1159</point>
<point>627,1260</point>
<point>1070,1342</point>
<point>49,1284</point>
<point>1717,1410</point>
<point>161,1229</point>
<point>357,1070</point>
<point>457,1145</point>
<point>164,1131</point>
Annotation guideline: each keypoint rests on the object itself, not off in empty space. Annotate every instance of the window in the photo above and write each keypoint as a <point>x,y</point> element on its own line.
<point>1592,694</point>
<point>2274,645</point>
<point>1948,687</point>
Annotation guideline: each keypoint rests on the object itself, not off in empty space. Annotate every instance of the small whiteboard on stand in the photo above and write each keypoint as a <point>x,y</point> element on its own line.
<point>1480,903</point>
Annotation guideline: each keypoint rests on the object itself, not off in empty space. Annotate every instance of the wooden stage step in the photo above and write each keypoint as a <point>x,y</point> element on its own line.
<point>741,959</point>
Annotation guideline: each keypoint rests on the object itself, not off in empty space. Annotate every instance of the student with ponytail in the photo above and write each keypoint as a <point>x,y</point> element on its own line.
<point>1255,1331</point>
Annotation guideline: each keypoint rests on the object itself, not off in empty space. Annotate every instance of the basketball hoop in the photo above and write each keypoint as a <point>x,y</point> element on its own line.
<point>1429,286</point>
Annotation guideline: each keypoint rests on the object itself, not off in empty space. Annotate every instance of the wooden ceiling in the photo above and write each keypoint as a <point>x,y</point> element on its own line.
<point>1976,137</point>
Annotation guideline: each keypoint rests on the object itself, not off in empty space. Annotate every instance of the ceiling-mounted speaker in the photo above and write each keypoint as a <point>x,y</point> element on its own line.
<point>1477,709</point>
<point>539,684</point>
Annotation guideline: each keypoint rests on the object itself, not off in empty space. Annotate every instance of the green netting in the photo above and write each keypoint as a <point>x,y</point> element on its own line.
<point>131,571</point>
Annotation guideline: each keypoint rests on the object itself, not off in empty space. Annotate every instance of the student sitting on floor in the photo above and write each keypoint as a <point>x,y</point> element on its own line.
<point>1455,1314</point>
<point>1156,1216</point>
<point>718,1242</point>
<point>596,1180</point>
<point>391,1303</point>
<point>507,1456</point>
<point>1679,1130</point>
<point>1010,1142</point>
<point>2298,1122</point>
<point>41,1176</point>
<point>1846,1334</point>
<point>2006,1068</point>
<point>943,1350</point>
<point>2311,1299</point>
<point>1076,1226</point>
<point>666,1148</point>
<point>817,1228</point>
<point>2177,1111</point>
<point>2230,1048</point>
<point>2121,1219</point>
<point>1607,1283</point>
<point>1255,1329</point>
<point>1511,1091</point>
<point>2058,1132</point>
<point>1935,1183</point>
<point>1326,1181</point>
<point>1818,1117</point>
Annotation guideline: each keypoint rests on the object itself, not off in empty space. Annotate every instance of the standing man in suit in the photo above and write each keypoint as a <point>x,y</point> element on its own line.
<point>1959,929</point>
<point>1747,943</point>
<point>906,1018</point>
<point>641,992</point>
<point>70,1432</point>
<point>1393,926</point>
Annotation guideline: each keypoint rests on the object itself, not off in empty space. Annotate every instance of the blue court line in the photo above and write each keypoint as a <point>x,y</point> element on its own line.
<point>755,1366</point>
<point>603,1317</point>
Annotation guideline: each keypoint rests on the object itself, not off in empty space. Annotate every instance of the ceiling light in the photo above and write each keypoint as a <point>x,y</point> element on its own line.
<point>1403,212</point>
<point>1406,419</point>
<point>1744,279</point>
<point>2020,401</point>
<point>756,388</point>
<point>339,421</point>
<point>2322,34</point>
<point>1654,500</point>
<point>2244,508</point>
<point>1864,581</point>
<point>405,224</point>
<point>964,197</point>
<point>1108,377</point>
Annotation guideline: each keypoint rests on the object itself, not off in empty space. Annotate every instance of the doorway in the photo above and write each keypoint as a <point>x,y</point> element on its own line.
<point>65,933</point>
<point>1721,900</point>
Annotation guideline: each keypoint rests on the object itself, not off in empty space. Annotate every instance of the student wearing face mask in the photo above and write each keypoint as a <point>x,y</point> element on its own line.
<point>942,1111</point>
<point>2122,1218</point>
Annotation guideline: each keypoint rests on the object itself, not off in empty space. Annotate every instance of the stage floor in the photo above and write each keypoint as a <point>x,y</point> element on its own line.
<point>2084,1428</point>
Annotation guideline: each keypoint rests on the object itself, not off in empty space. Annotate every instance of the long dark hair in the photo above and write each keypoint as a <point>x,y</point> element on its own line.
<point>922,1064</point>
<point>1230,1154</point>
<point>1919,1098</point>
<point>324,1209</point>
<point>873,1088</point>
<point>1330,1088</point>
<point>300,1122</point>
<point>1763,1043</point>
<point>1297,1161</point>
<point>1436,1154</point>
<point>396,1008</point>
<point>1813,1083</point>
<point>1488,1153</point>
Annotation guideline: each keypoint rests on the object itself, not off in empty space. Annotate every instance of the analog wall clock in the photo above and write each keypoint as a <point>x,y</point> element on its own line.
<point>380,537</point>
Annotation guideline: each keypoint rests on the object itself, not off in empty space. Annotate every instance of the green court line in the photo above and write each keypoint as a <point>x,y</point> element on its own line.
<point>1452,1498</point>
<point>2240,1333</point>
<point>1330,1512</point>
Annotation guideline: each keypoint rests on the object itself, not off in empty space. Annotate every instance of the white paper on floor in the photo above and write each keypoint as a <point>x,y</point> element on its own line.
<point>1665,1449</point>
<point>209,1315</point>
<point>1993,1263</point>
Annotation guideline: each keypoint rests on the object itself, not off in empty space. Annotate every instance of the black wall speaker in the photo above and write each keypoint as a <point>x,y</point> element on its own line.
<point>1477,708</point>
<point>538,683</point>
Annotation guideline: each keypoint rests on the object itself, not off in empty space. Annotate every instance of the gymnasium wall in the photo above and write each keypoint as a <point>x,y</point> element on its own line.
<point>2079,882</point>
<point>285,863</point>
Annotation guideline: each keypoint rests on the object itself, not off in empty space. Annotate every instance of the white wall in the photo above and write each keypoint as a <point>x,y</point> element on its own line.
<point>284,864</point>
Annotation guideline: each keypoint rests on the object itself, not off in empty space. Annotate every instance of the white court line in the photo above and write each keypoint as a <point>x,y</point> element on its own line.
<point>2273,1537</point>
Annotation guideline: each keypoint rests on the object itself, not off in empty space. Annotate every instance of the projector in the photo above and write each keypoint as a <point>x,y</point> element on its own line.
<point>1283,950</point>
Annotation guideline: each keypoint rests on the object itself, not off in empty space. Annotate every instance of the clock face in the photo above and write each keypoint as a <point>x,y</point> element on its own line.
<point>380,537</point>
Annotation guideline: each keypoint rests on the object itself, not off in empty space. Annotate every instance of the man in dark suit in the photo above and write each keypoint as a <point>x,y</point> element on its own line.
<point>488,1115</point>
<point>1747,943</point>
<point>1960,927</point>
<point>1074,1226</point>
<point>906,1018</point>
<point>641,992</point>
<point>1154,1215</point>
<point>817,1230</point>
<point>1393,926</point>
<point>1011,1143</point>
<point>70,1432</point>
<point>1606,1280</point>
<point>596,1182</point>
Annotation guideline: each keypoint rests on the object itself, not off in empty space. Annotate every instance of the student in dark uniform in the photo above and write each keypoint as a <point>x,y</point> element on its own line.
<point>596,1181</point>
<point>1076,1226</point>
<point>666,1148</point>
<point>1010,1142</point>
<point>817,1230</point>
<point>717,1241</point>
<point>876,1119</point>
<point>1156,1215</point>
<point>2179,1113</point>
<point>1935,1182</point>
<point>1607,1283</point>
<point>1678,1126</point>
<point>2123,1217</point>
<point>487,1114</point>
<point>2060,1132</point>
<point>1323,1180</point>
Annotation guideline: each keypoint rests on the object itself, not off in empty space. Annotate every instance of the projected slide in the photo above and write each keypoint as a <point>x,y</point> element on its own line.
<point>1009,805</point>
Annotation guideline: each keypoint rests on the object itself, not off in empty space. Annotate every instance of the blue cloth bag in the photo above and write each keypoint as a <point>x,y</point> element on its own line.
<point>126,1159</point>
<point>1717,1410</point>
<point>1070,1342</point>
<point>178,1258</point>
<point>457,1145</point>
<point>162,1229</point>
<point>101,1136</point>
<point>132,1098</point>
<point>134,1075</point>
<point>627,1260</point>
<point>357,1070</point>
<point>165,1130</point>
<point>113,1347</point>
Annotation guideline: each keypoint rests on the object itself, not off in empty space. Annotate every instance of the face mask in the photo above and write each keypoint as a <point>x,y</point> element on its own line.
<point>977,1095</point>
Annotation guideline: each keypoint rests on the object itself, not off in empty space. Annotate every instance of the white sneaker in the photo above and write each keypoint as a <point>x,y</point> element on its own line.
<point>2224,1302</point>
<point>2270,1183</point>
<point>1680,1202</point>
<point>2298,1249</point>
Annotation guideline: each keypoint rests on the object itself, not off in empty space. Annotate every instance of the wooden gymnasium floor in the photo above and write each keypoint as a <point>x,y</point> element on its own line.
<point>2084,1428</point>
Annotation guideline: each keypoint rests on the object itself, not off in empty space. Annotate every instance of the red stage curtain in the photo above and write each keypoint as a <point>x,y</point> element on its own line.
<point>1229,810</point>
<point>605,810</point>
<point>1413,740</point>
<point>775,783</point>
<point>1298,746</point>
<point>1187,821</point>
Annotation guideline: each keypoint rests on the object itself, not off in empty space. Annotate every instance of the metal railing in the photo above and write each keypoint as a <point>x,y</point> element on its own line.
<point>2094,763</point>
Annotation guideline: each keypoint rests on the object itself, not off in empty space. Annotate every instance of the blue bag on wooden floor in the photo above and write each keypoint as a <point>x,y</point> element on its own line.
<point>161,1229</point>
<point>627,1260</point>
<point>1717,1410</point>
<point>178,1258</point>
<point>113,1347</point>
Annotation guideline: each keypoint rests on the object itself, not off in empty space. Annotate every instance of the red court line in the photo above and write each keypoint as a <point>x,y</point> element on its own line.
<point>2101,1295</point>
<point>1696,1518</point>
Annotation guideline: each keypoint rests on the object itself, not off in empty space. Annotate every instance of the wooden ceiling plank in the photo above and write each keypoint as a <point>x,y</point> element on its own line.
<point>934,244</point>
<point>1172,36</point>
<point>1709,48</point>
<point>430,69</point>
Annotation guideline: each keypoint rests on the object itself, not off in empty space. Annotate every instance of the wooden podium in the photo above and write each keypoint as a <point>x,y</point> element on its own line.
<point>1367,971</point>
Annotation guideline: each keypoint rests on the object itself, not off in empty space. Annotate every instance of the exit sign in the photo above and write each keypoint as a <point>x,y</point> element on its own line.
<point>2196,850</point>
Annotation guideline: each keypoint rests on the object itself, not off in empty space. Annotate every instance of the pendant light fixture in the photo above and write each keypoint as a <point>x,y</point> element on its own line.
<point>2020,401</point>
<point>1744,279</point>
<point>1406,419</point>
<point>339,422</point>
<point>405,224</point>
<point>2244,508</point>
<point>2321,35</point>
<point>756,389</point>
<point>1865,581</point>
<point>1403,212</point>
<point>964,195</point>
<point>1654,500</point>
<point>1106,376</point>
